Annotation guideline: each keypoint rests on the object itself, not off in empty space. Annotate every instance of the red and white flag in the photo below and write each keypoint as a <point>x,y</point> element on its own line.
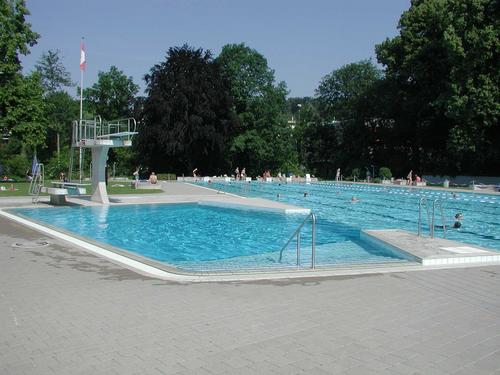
<point>83,62</point>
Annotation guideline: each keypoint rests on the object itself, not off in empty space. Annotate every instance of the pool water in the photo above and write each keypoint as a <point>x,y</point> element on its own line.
<point>202,238</point>
<point>385,207</point>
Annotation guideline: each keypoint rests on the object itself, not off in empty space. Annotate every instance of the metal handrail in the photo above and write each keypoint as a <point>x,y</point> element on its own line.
<point>437,202</point>
<point>296,233</point>
<point>423,202</point>
<point>430,217</point>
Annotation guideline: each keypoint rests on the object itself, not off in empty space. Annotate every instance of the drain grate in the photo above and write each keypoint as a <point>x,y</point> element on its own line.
<point>31,245</point>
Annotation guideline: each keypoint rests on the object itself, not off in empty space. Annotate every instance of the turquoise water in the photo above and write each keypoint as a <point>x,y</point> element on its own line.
<point>384,207</point>
<point>201,238</point>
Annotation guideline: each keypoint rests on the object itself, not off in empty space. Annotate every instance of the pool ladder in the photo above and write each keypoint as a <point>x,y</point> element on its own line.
<point>436,203</point>
<point>296,234</point>
<point>37,182</point>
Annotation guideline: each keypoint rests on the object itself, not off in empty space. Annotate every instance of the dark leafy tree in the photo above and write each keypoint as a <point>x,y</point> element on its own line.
<point>187,114</point>
<point>445,69</point>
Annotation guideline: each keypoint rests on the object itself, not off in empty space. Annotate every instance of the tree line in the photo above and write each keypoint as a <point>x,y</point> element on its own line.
<point>431,105</point>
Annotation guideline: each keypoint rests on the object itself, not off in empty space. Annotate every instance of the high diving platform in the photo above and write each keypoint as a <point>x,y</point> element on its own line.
<point>100,136</point>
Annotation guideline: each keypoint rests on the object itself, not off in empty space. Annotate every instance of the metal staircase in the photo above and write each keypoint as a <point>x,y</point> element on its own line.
<point>36,183</point>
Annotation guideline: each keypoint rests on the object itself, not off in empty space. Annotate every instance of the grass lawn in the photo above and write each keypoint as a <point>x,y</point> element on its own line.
<point>22,189</point>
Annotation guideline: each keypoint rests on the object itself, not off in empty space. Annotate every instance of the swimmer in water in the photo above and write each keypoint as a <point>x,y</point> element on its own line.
<point>305,194</point>
<point>458,218</point>
<point>354,199</point>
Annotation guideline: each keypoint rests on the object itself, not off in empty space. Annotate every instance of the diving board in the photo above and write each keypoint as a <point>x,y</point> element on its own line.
<point>100,136</point>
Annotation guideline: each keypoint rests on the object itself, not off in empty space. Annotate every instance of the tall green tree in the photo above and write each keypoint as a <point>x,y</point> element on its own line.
<point>445,67</point>
<point>264,139</point>
<point>187,114</point>
<point>112,96</point>
<point>340,93</point>
<point>60,108</point>
<point>16,37</point>
<point>345,137</point>
<point>24,115</point>
<point>53,73</point>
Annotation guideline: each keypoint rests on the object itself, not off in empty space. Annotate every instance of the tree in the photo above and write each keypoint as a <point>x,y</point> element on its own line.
<point>60,111</point>
<point>347,103</point>
<point>340,92</point>
<point>445,67</point>
<point>16,37</point>
<point>60,108</point>
<point>53,73</point>
<point>112,96</point>
<point>263,139</point>
<point>187,114</point>
<point>24,115</point>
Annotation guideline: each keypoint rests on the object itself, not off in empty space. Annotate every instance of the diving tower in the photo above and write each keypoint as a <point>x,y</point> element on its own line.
<point>100,136</point>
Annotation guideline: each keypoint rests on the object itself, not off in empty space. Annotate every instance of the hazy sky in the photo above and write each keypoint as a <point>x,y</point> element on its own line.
<point>302,40</point>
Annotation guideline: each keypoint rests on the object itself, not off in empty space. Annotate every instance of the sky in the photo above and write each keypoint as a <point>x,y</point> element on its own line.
<point>302,40</point>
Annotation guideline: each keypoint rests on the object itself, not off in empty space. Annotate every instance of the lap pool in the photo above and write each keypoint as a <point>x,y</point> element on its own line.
<point>199,238</point>
<point>384,207</point>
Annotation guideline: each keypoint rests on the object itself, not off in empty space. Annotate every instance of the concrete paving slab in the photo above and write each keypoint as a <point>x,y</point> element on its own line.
<point>78,313</point>
<point>431,251</point>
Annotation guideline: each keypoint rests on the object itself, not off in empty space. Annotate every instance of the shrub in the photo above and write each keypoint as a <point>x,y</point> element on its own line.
<point>385,173</point>
<point>376,180</point>
<point>56,165</point>
<point>16,166</point>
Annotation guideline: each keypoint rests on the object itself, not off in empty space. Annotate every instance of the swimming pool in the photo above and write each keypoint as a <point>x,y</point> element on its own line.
<point>194,237</point>
<point>383,207</point>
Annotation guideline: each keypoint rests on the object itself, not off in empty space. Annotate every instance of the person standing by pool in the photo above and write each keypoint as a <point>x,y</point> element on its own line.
<point>337,176</point>
<point>136,178</point>
<point>409,178</point>
<point>237,173</point>
<point>195,172</point>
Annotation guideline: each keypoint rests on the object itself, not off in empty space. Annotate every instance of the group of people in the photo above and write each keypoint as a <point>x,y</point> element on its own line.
<point>153,178</point>
<point>240,175</point>
<point>412,177</point>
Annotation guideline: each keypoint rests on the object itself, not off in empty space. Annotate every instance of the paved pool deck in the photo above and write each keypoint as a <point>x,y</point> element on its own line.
<point>65,311</point>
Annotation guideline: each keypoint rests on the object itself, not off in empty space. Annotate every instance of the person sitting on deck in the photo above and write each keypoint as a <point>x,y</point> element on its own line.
<point>153,178</point>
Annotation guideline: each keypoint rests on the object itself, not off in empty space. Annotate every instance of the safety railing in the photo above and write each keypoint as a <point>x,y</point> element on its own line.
<point>84,130</point>
<point>438,203</point>
<point>423,203</point>
<point>296,234</point>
